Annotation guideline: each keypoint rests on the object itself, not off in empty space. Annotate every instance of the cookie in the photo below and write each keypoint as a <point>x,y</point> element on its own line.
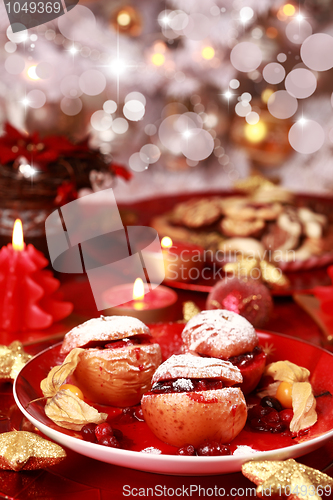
<point>243,228</point>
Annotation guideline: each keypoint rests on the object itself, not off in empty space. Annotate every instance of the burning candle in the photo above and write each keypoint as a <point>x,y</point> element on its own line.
<point>182,261</point>
<point>26,288</point>
<point>149,305</point>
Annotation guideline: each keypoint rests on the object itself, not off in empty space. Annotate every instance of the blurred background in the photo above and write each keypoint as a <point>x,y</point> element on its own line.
<point>188,95</point>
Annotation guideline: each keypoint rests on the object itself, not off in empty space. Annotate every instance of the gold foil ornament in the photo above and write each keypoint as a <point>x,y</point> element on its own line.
<point>288,479</point>
<point>21,450</point>
<point>12,359</point>
<point>190,309</point>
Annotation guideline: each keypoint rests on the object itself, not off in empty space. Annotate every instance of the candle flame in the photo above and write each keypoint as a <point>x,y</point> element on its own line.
<point>166,242</point>
<point>18,241</point>
<point>138,289</point>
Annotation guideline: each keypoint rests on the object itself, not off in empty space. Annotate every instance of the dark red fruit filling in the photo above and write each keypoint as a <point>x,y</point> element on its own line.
<point>186,385</point>
<point>246,359</point>
<point>269,416</point>
<point>119,344</point>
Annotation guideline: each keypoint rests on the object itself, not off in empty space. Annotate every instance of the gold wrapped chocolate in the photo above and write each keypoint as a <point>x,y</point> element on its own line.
<point>190,309</point>
<point>12,359</point>
<point>288,478</point>
<point>21,450</point>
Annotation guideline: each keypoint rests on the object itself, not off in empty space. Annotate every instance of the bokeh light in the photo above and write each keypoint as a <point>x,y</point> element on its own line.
<point>255,133</point>
<point>208,53</point>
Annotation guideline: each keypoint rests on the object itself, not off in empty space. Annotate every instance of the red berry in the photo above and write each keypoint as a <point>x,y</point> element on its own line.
<point>88,433</point>
<point>187,450</point>
<point>271,402</point>
<point>273,416</point>
<point>258,411</point>
<point>138,414</point>
<point>286,416</point>
<point>103,430</point>
<point>127,416</point>
<point>110,441</point>
<point>259,425</point>
<point>276,427</point>
<point>212,449</point>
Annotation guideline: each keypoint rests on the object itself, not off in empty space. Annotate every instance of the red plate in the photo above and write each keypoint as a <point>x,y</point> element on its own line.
<point>248,444</point>
<point>300,281</point>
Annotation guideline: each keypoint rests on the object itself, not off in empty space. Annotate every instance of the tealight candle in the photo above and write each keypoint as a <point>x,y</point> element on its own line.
<point>26,289</point>
<point>150,306</point>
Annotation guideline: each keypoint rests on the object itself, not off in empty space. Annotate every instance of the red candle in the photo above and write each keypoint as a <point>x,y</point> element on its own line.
<point>26,288</point>
<point>150,306</point>
<point>182,261</point>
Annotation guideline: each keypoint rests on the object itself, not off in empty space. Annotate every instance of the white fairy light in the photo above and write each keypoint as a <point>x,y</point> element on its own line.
<point>73,50</point>
<point>27,170</point>
<point>302,121</point>
<point>228,94</point>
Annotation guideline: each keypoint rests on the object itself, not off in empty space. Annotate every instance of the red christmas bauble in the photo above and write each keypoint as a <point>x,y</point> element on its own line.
<point>247,297</point>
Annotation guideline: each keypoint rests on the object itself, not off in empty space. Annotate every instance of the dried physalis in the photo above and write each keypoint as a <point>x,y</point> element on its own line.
<point>12,359</point>
<point>64,407</point>
<point>293,389</point>
<point>21,450</point>
<point>288,479</point>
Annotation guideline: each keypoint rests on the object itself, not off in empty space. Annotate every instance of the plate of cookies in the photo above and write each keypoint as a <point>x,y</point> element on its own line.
<point>195,399</point>
<point>269,223</point>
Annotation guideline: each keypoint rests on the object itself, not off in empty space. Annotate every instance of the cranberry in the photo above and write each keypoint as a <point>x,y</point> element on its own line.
<point>259,425</point>
<point>187,450</point>
<point>273,416</point>
<point>286,416</point>
<point>127,416</point>
<point>258,411</point>
<point>103,430</point>
<point>88,433</point>
<point>276,427</point>
<point>271,402</point>
<point>138,414</point>
<point>212,449</point>
<point>110,441</point>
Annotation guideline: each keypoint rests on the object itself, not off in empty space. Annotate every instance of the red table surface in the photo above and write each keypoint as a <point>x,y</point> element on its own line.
<point>81,478</point>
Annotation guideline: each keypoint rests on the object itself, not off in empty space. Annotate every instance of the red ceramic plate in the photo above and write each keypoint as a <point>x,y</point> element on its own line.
<point>145,452</point>
<point>300,281</point>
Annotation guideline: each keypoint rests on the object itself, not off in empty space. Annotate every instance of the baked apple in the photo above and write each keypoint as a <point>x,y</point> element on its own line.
<point>226,335</point>
<point>118,361</point>
<point>192,401</point>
